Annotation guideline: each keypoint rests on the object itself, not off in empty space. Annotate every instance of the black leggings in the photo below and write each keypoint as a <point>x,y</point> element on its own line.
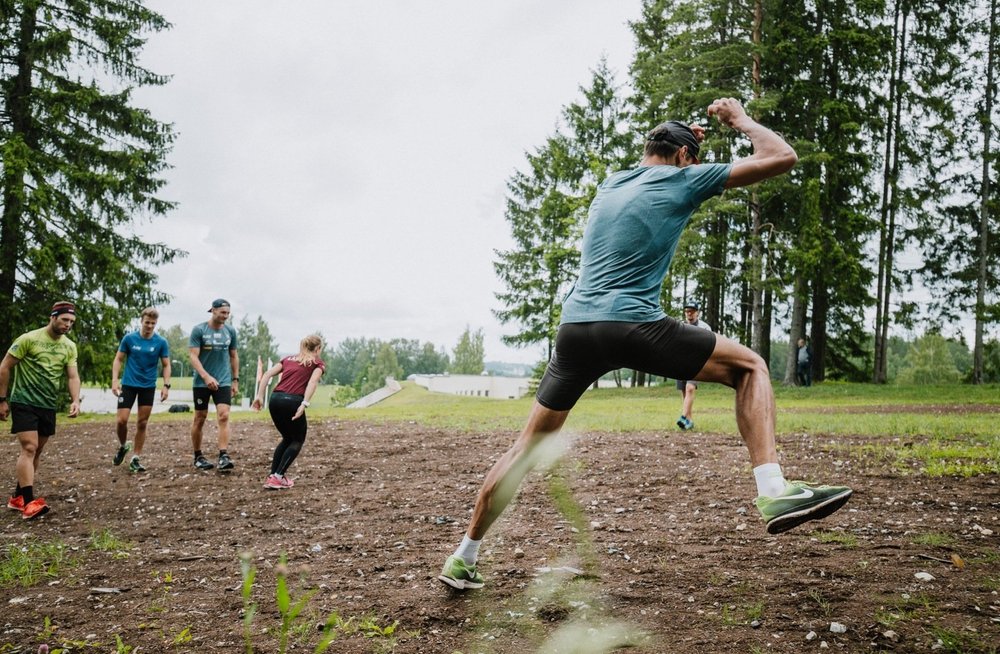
<point>282,407</point>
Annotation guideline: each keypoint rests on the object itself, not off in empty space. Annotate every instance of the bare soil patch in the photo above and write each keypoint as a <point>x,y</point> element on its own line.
<point>672,546</point>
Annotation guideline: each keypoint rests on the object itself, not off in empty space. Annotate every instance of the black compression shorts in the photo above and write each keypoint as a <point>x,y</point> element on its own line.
<point>202,394</point>
<point>585,351</point>
<point>129,394</point>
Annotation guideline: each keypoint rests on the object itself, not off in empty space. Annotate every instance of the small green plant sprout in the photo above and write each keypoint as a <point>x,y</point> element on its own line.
<point>182,638</point>
<point>288,610</point>
<point>121,647</point>
<point>249,574</point>
<point>105,541</point>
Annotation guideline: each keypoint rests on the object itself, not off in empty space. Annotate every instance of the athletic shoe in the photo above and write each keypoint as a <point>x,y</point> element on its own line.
<point>286,481</point>
<point>120,455</point>
<point>274,482</point>
<point>225,463</point>
<point>16,503</point>
<point>685,423</point>
<point>458,574</point>
<point>35,508</point>
<point>135,466</point>
<point>203,464</point>
<point>800,503</point>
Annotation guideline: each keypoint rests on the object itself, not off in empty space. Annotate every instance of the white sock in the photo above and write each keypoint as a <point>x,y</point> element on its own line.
<point>468,551</point>
<point>770,481</point>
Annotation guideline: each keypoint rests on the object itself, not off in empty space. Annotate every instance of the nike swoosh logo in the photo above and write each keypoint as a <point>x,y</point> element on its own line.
<point>804,494</point>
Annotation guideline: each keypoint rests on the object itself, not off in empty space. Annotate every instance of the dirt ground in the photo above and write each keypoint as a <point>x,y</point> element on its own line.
<point>651,538</point>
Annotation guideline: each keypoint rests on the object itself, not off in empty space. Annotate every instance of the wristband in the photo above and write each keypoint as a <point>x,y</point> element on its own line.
<point>166,386</point>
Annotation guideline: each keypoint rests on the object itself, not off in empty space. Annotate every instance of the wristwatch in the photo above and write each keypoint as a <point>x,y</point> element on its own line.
<point>305,404</point>
<point>236,379</point>
<point>3,398</point>
<point>166,386</point>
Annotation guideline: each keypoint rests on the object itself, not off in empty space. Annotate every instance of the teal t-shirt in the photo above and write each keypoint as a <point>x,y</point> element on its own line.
<point>635,222</point>
<point>214,346</point>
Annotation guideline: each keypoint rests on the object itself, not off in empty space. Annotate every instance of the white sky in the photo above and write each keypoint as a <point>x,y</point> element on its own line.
<point>341,165</point>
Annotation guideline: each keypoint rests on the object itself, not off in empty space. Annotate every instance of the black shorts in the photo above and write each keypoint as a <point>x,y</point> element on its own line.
<point>585,351</point>
<point>223,395</point>
<point>129,394</point>
<point>682,384</point>
<point>24,417</point>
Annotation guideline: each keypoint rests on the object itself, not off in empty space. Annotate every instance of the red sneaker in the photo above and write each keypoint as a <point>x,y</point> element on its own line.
<point>16,503</point>
<point>34,508</point>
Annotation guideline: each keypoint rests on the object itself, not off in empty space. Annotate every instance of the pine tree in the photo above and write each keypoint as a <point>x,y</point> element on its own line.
<point>79,164</point>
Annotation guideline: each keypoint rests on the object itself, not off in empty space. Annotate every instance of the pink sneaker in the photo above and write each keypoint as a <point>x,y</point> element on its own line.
<point>273,482</point>
<point>286,482</point>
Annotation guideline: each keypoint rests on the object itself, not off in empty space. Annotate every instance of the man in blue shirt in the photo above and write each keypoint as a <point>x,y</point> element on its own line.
<point>216,366</point>
<point>140,351</point>
<point>612,319</point>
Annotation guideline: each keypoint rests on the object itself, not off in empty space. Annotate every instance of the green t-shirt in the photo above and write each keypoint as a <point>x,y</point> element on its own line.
<point>214,346</point>
<point>635,221</point>
<point>41,365</point>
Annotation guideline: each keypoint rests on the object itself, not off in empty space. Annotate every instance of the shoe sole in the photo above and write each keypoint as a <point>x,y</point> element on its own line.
<point>37,514</point>
<point>460,584</point>
<point>19,509</point>
<point>206,468</point>
<point>788,521</point>
<point>229,469</point>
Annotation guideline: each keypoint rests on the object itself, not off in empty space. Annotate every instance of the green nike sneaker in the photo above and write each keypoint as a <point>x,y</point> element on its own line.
<point>458,574</point>
<point>800,503</point>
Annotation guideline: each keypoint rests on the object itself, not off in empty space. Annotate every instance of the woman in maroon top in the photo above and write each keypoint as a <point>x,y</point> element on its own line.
<point>299,378</point>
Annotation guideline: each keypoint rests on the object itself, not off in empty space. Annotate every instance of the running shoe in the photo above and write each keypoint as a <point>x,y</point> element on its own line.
<point>286,481</point>
<point>274,482</point>
<point>225,463</point>
<point>120,455</point>
<point>202,463</point>
<point>16,503</point>
<point>35,508</point>
<point>685,423</point>
<point>800,503</point>
<point>135,466</point>
<point>458,574</point>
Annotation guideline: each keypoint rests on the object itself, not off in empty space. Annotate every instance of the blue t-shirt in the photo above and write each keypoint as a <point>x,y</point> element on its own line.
<point>214,346</point>
<point>635,222</point>
<point>144,355</point>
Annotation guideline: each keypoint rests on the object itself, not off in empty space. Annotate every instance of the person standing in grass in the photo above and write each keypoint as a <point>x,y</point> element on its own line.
<point>38,361</point>
<point>216,366</point>
<point>140,351</point>
<point>300,376</point>
<point>612,318</point>
<point>688,387</point>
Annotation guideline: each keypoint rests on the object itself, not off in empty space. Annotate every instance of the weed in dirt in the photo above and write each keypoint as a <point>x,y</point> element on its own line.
<point>951,641</point>
<point>904,609</point>
<point>105,541</point>
<point>933,539</point>
<point>183,637</point>
<point>165,579</point>
<point>26,565</point>
<point>838,537</point>
<point>990,584</point>
<point>821,602</point>
<point>121,647</point>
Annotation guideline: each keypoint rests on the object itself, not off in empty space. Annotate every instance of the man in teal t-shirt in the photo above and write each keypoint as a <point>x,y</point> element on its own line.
<point>612,319</point>
<point>216,365</point>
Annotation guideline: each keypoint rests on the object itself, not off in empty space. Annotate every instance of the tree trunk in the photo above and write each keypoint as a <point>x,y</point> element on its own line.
<point>757,330</point>
<point>984,226</point>
<point>891,130</point>
<point>821,307</point>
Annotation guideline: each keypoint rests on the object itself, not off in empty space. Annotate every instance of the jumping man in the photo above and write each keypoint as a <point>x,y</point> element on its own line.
<point>612,319</point>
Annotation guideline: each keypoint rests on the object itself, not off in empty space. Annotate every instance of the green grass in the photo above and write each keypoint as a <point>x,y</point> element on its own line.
<point>933,539</point>
<point>838,537</point>
<point>28,564</point>
<point>105,541</point>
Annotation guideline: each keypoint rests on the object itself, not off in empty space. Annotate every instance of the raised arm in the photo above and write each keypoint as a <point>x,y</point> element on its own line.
<point>771,155</point>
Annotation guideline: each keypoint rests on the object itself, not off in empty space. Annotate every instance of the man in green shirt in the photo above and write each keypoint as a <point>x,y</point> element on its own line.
<point>216,366</point>
<point>38,360</point>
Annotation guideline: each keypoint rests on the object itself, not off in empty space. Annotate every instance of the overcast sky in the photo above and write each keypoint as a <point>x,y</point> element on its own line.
<point>340,165</point>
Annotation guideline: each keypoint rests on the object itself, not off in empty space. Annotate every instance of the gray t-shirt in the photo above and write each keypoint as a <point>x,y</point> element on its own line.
<point>214,345</point>
<point>633,228</point>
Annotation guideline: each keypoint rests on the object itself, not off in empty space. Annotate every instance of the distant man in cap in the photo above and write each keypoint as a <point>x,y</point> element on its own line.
<point>612,319</point>
<point>216,366</point>
<point>688,387</point>
<point>141,353</point>
<point>38,359</point>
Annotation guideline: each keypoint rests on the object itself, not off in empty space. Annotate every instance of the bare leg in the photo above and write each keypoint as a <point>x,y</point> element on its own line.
<point>223,412</point>
<point>196,428</point>
<point>121,425</point>
<point>512,467</point>
<point>741,368</point>
<point>27,459</point>
<point>689,391</point>
<point>142,422</point>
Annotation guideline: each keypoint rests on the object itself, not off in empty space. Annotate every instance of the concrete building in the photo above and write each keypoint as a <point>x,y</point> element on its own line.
<point>504,388</point>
